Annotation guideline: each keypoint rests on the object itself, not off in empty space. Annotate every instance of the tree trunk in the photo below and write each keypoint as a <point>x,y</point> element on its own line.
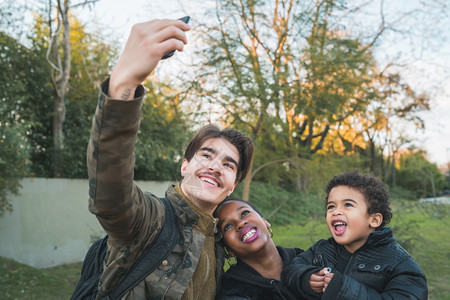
<point>60,78</point>
<point>433,186</point>
<point>393,173</point>
<point>57,126</point>
<point>248,182</point>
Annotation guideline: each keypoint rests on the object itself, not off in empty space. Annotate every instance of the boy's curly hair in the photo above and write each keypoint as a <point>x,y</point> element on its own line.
<point>373,189</point>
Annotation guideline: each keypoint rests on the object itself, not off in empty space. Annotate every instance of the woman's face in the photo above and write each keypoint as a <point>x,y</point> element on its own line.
<point>245,232</point>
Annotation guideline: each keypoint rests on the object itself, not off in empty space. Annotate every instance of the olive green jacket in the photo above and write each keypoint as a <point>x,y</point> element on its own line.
<point>132,218</point>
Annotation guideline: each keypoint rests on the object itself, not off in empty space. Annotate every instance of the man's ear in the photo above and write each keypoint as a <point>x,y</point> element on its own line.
<point>184,166</point>
<point>375,220</point>
<point>229,193</point>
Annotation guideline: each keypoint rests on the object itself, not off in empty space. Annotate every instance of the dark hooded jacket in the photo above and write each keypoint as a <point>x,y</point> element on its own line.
<point>243,282</point>
<point>380,269</point>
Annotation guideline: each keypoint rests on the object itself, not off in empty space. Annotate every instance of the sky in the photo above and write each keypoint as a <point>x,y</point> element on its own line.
<point>427,69</point>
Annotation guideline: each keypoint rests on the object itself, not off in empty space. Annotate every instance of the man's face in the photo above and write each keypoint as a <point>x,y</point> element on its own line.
<point>210,175</point>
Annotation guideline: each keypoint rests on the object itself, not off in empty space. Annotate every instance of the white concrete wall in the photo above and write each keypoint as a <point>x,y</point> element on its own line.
<point>51,224</point>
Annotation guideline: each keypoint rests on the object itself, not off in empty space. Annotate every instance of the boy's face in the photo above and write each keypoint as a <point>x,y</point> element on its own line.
<point>348,219</point>
<point>244,231</point>
<point>210,175</point>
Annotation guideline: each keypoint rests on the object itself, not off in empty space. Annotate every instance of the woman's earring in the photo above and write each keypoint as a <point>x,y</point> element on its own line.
<point>231,259</point>
<point>270,231</point>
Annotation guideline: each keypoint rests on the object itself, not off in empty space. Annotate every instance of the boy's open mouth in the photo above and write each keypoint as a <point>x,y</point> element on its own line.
<point>339,227</point>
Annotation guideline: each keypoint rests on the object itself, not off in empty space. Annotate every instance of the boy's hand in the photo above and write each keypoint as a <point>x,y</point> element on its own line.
<point>316,281</point>
<point>145,47</point>
<point>327,279</point>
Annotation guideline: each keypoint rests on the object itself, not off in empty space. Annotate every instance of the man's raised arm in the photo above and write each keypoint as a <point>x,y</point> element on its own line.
<point>145,47</point>
<point>114,198</point>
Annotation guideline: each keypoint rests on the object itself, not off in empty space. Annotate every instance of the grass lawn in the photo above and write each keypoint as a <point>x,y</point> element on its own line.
<point>421,229</point>
<point>19,281</point>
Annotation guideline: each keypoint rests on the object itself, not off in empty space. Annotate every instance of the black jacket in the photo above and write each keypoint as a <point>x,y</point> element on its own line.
<point>380,269</point>
<point>243,282</point>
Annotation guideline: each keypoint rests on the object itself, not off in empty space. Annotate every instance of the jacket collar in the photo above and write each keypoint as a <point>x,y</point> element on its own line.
<point>378,237</point>
<point>190,215</point>
<point>187,216</point>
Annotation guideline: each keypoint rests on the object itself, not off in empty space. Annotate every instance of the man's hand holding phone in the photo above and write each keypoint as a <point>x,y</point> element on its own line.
<point>147,44</point>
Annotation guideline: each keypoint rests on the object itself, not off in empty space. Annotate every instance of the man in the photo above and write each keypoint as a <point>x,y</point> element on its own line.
<point>214,162</point>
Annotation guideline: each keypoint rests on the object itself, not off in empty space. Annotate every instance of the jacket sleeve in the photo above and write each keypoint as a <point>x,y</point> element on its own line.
<point>296,275</point>
<point>120,206</point>
<point>407,281</point>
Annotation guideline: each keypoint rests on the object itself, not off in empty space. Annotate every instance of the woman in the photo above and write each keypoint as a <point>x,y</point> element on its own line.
<point>247,237</point>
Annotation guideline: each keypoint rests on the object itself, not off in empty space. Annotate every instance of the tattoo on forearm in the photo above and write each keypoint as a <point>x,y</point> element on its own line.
<point>126,94</point>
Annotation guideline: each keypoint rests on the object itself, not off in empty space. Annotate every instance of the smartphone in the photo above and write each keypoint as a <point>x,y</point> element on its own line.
<point>169,54</point>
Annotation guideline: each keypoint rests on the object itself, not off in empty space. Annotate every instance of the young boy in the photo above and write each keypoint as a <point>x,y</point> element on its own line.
<point>361,260</point>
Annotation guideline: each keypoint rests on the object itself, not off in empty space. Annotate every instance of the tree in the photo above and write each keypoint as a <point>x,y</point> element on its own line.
<point>289,73</point>
<point>163,135</point>
<point>90,64</point>
<point>379,131</point>
<point>13,162</point>
<point>15,94</point>
<point>59,59</point>
<point>285,75</point>
<point>418,175</point>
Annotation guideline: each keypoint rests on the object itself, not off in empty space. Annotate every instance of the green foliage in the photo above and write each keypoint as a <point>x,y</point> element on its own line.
<point>287,76</point>
<point>20,90</point>
<point>311,175</point>
<point>24,87</point>
<point>422,230</point>
<point>27,101</point>
<point>91,60</point>
<point>27,96</point>
<point>90,64</point>
<point>280,206</point>
<point>324,166</point>
<point>76,136</point>
<point>163,135</point>
<point>300,85</point>
<point>13,163</point>
<point>301,236</point>
<point>419,175</point>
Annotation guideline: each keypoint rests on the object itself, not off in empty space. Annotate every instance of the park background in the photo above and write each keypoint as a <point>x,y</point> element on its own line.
<point>320,86</point>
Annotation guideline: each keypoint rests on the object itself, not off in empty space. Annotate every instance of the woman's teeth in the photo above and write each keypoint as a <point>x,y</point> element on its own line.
<point>249,234</point>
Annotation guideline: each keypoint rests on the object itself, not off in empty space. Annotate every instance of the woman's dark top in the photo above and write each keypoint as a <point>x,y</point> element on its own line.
<point>243,282</point>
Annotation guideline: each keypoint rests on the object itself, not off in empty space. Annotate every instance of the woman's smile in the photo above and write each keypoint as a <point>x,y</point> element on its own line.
<point>249,234</point>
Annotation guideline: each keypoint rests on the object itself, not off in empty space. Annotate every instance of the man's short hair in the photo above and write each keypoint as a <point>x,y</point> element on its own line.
<point>242,142</point>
